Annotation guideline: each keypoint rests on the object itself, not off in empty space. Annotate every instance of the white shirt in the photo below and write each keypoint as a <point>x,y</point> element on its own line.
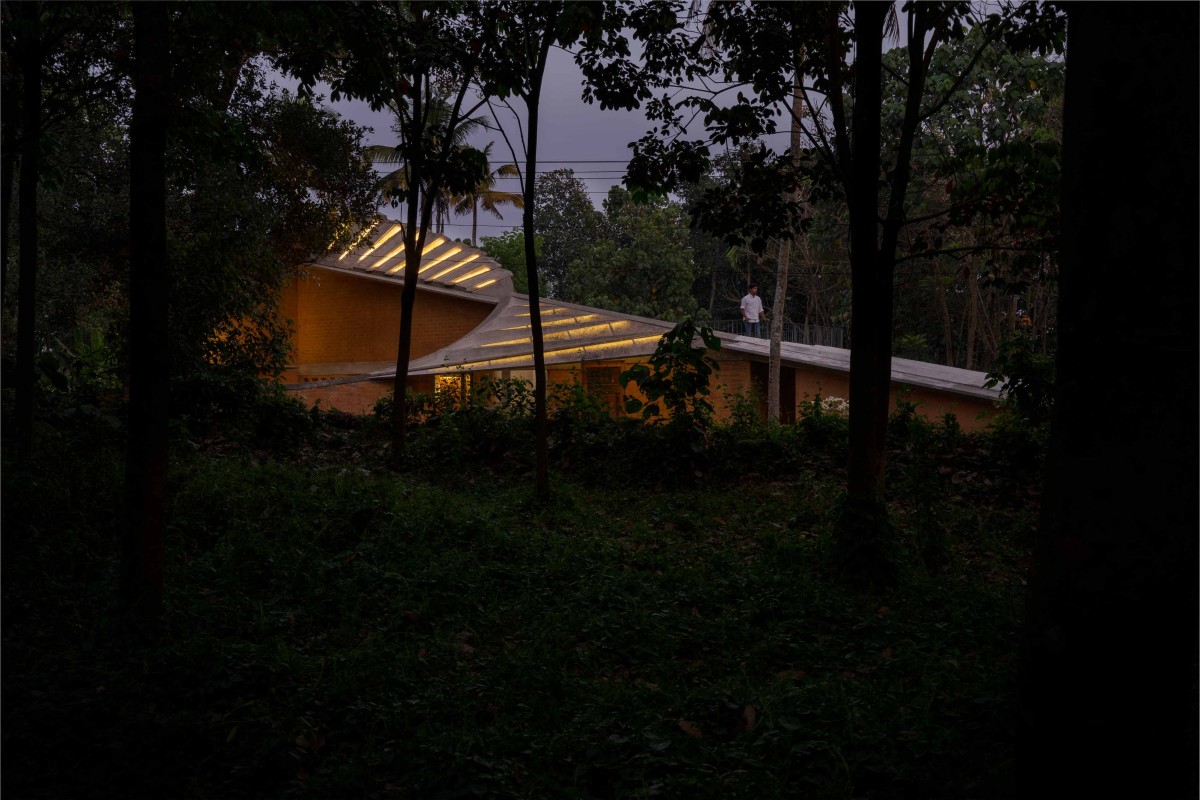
<point>752,306</point>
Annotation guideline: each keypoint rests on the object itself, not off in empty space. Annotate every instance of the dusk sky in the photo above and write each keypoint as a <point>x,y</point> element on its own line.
<point>573,134</point>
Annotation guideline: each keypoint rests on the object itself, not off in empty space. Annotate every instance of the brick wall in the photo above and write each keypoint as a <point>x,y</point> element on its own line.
<point>736,377</point>
<point>339,318</point>
<point>356,397</point>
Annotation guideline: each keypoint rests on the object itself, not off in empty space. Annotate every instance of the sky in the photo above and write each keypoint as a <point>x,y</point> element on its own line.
<point>573,134</point>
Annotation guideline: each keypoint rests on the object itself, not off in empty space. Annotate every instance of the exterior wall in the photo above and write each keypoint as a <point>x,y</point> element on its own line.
<point>354,397</point>
<point>743,376</point>
<point>735,377</point>
<point>972,414</point>
<point>341,319</point>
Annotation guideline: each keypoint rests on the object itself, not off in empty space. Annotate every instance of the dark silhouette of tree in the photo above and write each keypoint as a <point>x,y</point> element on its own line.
<point>149,292</point>
<point>1109,662</point>
<point>31,55</point>
<point>485,195</point>
<point>525,33</point>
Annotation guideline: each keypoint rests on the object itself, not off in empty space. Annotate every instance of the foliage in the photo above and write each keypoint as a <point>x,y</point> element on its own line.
<point>643,265</point>
<point>823,419</point>
<point>567,224</point>
<point>284,186</point>
<point>509,250</point>
<point>333,630</point>
<point>485,195</point>
<point>675,380</point>
<point>1026,379</point>
<point>471,170</point>
<point>743,408</point>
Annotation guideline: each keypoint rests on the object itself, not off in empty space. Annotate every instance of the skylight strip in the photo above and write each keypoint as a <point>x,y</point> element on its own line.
<point>387,235</point>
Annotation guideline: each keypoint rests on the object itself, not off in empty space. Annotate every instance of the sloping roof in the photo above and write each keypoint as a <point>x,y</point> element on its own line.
<point>573,333</point>
<point>570,333</point>
<point>446,265</point>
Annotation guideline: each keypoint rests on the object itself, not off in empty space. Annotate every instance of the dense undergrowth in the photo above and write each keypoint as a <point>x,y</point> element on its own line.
<point>666,627</point>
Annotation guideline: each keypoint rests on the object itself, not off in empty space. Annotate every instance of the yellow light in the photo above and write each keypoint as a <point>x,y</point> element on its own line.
<point>485,283</point>
<point>452,251</point>
<point>452,267</point>
<point>380,262</point>
<point>525,340</point>
<point>549,323</point>
<point>574,353</point>
<point>438,241</point>
<point>548,312</point>
<point>387,235</point>
<point>475,273</point>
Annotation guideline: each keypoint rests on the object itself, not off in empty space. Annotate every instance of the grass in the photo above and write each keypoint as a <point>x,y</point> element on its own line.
<point>333,630</point>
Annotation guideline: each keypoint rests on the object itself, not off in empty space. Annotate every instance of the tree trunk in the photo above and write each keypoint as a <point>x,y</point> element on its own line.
<point>947,327</point>
<point>1108,670</point>
<point>541,428</point>
<point>32,56</point>
<point>777,313</point>
<point>8,163</point>
<point>972,319</point>
<point>416,224</point>
<point>861,545</point>
<point>783,263</point>
<point>149,354</point>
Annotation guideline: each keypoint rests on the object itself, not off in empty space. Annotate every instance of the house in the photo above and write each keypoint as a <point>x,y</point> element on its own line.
<point>468,322</point>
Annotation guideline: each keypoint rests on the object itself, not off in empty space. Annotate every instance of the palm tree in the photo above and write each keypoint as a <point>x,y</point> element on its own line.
<point>487,196</point>
<point>394,184</point>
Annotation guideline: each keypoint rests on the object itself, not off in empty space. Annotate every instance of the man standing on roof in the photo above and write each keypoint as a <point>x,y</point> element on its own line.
<point>752,310</point>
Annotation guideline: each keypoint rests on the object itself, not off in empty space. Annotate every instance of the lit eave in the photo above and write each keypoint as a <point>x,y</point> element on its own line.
<point>389,233</point>
<point>453,251</point>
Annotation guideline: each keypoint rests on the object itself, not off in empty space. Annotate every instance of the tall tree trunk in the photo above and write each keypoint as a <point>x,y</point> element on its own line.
<point>149,354</point>
<point>8,163</point>
<point>866,546</point>
<point>416,223</point>
<point>861,541</point>
<point>541,428</point>
<point>972,320</point>
<point>947,326</point>
<point>783,263</point>
<point>777,313</point>
<point>1108,675</point>
<point>32,56</point>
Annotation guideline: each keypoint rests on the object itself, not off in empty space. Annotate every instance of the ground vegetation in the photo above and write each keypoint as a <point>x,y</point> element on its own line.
<point>664,627</point>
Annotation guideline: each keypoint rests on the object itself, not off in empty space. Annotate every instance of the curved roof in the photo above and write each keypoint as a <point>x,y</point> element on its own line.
<point>572,333</point>
<point>445,263</point>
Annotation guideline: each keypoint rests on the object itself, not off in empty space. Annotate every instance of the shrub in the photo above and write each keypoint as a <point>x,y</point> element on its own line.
<point>676,378</point>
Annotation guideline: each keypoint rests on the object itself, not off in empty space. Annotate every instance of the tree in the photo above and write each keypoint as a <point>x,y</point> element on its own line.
<point>287,184</point>
<point>978,255</point>
<point>1108,667</point>
<point>149,357</point>
<point>419,59</point>
<point>393,187</point>
<point>525,36</point>
<point>644,265</point>
<point>31,57</point>
<point>753,46</point>
<point>568,224</point>
<point>485,195</point>
<point>509,250</point>
<point>782,263</point>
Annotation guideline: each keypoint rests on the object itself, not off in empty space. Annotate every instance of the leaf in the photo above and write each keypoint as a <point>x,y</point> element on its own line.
<point>691,729</point>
